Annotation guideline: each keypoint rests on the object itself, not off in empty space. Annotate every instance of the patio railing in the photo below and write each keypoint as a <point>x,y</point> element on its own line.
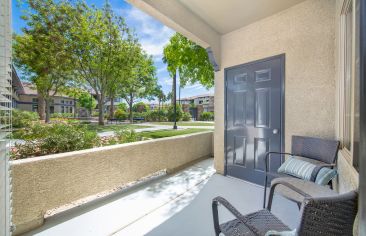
<point>44,183</point>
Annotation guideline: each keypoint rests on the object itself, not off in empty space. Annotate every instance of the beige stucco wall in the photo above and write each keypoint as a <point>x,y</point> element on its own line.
<point>27,99</point>
<point>305,33</point>
<point>43,183</point>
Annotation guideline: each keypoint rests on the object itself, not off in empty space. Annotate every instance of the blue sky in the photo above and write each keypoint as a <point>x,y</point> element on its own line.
<point>152,35</point>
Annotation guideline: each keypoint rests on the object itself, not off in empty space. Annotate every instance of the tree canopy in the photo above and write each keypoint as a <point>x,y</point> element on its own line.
<point>42,50</point>
<point>188,59</point>
<point>70,42</point>
<point>142,80</point>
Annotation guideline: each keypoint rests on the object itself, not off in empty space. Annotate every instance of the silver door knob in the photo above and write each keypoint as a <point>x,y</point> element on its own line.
<point>275,131</point>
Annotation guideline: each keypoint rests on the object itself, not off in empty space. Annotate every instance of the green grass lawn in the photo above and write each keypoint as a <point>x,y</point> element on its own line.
<point>169,133</point>
<point>182,123</point>
<point>113,127</point>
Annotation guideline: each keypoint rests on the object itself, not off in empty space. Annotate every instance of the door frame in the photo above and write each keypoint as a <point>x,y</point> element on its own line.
<point>282,58</point>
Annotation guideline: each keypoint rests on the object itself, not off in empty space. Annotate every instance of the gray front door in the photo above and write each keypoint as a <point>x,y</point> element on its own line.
<point>254,117</point>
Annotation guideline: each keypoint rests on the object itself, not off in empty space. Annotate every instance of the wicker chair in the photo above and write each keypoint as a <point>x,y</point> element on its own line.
<point>325,216</point>
<point>321,152</point>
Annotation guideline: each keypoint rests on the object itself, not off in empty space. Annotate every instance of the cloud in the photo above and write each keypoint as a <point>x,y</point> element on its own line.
<point>161,69</point>
<point>194,87</point>
<point>152,34</point>
<point>168,81</point>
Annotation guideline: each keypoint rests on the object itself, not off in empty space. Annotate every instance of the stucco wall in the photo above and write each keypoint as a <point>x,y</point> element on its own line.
<point>43,183</point>
<point>26,102</point>
<point>305,33</point>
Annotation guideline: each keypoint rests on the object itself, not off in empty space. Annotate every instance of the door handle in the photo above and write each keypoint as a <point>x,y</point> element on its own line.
<point>275,131</point>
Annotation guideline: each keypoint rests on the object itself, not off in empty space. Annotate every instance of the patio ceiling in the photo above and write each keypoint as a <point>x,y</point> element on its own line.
<point>229,15</point>
<point>204,21</point>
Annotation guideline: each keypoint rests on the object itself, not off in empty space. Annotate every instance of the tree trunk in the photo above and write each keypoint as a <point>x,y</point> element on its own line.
<point>179,93</point>
<point>41,107</point>
<point>159,108</point>
<point>48,113</point>
<point>111,109</point>
<point>101,109</point>
<point>175,99</point>
<point>130,107</point>
<point>75,107</point>
<point>173,90</point>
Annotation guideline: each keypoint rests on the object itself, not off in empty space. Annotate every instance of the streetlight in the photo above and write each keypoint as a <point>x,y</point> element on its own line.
<point>175,101</point>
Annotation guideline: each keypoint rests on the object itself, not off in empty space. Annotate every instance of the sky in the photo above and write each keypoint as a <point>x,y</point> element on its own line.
<point>152,34</point>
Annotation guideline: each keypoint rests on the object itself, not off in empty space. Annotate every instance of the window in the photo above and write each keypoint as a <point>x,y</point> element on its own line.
<point>349,84</point>
<point>35,107</point>
<point>34,104</point>
<point>62,109</point>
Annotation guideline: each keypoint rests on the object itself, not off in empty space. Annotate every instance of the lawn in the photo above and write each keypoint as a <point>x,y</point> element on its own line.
<point>182,123</point>
<point>169,133</point>
<point>114,127</point>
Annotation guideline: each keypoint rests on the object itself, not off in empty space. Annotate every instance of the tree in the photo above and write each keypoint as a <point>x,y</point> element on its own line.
<point>159,93</point>
<point>191,62</point>
<point>140,107</point>
<point>123,107</point>
<point>141,81</point>
<point>87,101</point>
<point>41,51</point>
<point>99,40</point>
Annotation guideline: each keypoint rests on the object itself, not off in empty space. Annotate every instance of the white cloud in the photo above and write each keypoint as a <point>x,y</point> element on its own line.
<point>161,69</point>
<point>194,87</point>
<point>168,81</point>
<point>153,35</point>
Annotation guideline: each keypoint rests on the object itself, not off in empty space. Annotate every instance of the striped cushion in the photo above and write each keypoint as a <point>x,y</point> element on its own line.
<point>298,168</point>
<point>325,175</point>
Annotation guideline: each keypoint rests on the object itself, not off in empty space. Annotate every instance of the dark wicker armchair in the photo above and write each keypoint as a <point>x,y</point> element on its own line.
<point>326,216</point>
<point>321,152</point>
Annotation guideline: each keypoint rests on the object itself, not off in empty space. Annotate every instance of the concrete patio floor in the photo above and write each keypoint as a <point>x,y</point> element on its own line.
<point>178,204</point>
<point>133,212</point>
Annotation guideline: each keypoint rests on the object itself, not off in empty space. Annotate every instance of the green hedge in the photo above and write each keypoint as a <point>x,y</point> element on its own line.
<point>44,139</point>
<point>22,119</point>
<point>207,116</point>
<point>62,115</point>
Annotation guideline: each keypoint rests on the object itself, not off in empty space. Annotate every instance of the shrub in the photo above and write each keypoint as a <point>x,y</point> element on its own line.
<point>154,115</point>
<point>120,114</point>
<point>44,139</point>
<point>186,116</point>
<point>140,107</point>
<point>62,115</point>
<point>123,107</point>
<point>22,119</point>
<point>171,113</point>
<point>127,136</point>
<point>207,116</point>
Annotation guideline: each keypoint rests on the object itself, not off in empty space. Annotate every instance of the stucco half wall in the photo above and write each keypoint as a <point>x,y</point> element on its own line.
<point>305,33</point>
<point>43,183</point>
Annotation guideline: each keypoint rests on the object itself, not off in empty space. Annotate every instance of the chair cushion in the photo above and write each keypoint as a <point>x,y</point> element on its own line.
<point>263,221</point>
<point>325,175</point>
<point>298,168</point>
<point>311,188</point>
<point>281,233</point>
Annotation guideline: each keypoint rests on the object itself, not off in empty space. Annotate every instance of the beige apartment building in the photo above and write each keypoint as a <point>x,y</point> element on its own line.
<point>28,101</point>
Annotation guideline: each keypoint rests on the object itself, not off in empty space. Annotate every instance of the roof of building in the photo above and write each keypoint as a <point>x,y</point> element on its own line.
<point>30,89</point>
<point>16,83</point>
<point>197,96</point>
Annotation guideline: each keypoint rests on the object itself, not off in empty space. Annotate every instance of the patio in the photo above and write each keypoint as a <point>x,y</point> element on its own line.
<point>178,204</point>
